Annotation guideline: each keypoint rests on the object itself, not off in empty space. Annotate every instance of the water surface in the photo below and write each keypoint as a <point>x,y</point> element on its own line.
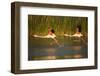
<point>47,49</point>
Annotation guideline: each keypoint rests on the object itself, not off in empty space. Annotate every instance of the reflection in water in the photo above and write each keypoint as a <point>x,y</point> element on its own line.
<point>50,52</point>
<point>51,57</point>
<point>41,50</point>
<point>44,58</point>
<point>73,56</point>
<point>77,56</point>
<point>77,48</point>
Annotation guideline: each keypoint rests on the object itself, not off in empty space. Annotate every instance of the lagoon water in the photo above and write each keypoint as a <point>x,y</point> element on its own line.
<point>71,48</point>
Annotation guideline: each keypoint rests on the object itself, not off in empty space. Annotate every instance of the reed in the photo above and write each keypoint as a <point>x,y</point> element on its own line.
<point>38,24</point>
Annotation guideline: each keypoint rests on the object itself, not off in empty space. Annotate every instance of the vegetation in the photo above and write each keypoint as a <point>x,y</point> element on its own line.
<point>38,24</point>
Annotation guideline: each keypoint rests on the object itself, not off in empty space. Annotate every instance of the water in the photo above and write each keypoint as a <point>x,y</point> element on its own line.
<point>71,48</point>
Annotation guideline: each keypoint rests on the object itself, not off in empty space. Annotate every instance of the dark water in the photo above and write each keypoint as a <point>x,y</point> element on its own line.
<point>71,48</point>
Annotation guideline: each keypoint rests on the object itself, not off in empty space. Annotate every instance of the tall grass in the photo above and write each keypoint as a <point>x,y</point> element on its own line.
<point>38,24</point>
